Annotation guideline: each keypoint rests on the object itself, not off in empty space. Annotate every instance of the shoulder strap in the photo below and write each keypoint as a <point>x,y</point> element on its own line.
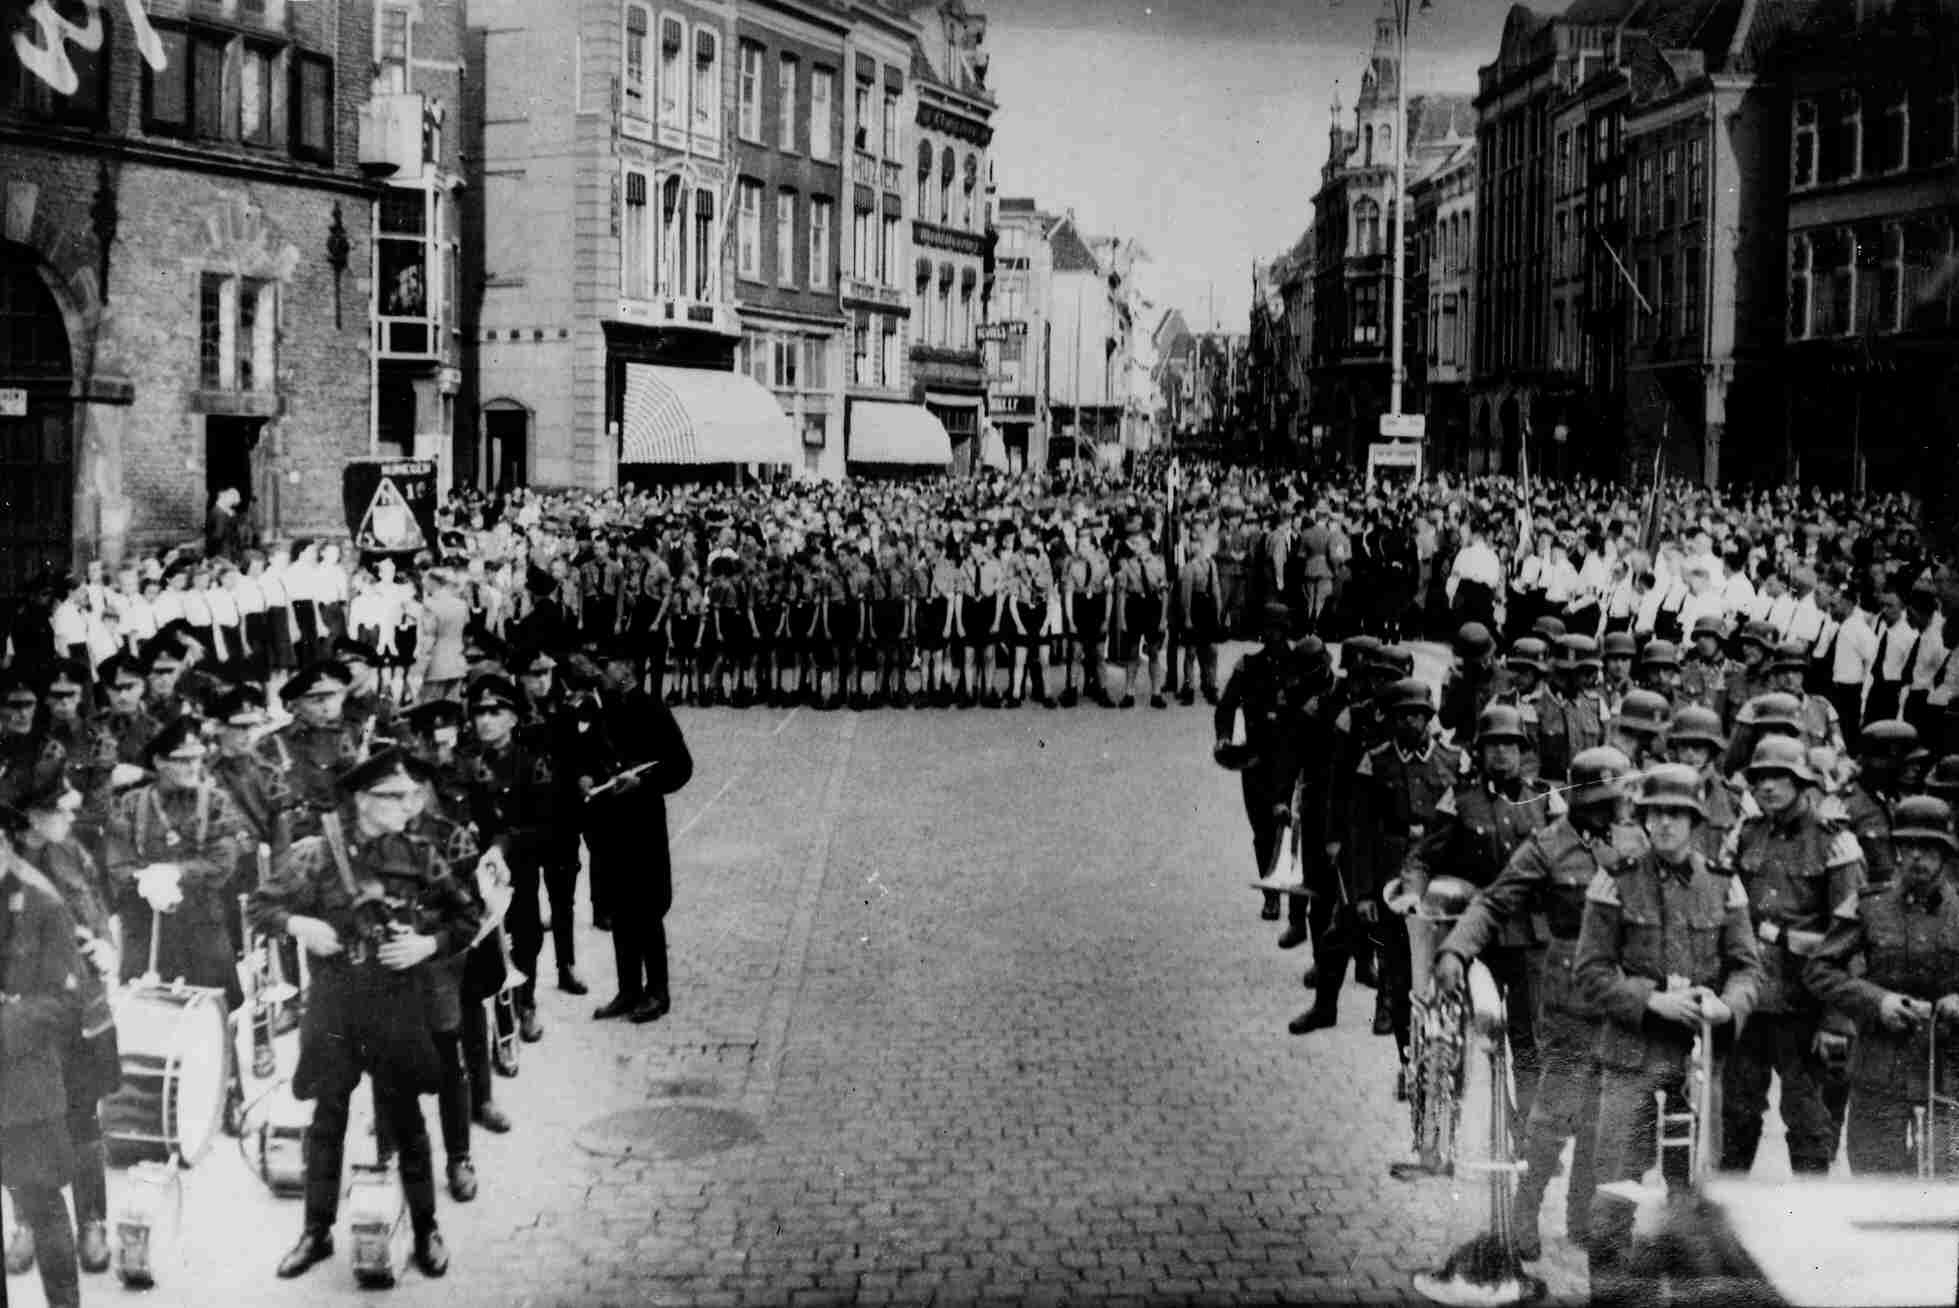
<point>142,825</point>
<point>336,840</point>
<point>203,814</point>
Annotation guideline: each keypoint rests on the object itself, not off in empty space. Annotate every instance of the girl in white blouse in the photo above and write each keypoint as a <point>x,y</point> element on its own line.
<point>303,592</point>
<point>227,623</point>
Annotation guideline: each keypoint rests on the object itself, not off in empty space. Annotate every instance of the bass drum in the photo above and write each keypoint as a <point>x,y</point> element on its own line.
<point>174,1052</point>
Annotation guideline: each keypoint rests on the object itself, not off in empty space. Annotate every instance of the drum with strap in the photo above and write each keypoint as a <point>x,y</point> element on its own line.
<point>171,1101</point>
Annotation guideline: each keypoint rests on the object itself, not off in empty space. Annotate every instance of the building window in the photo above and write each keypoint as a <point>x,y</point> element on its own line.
<point>1849,152</point>
<point>750,124</point>
<point>787,352</point>
<point>1449,330</point>
<point>1946,145</point>
<point>822,90</point>
<point>1833,270</point>
<point>706,262</point>
<point>860,351</point>
<point>1564,162</point>
<point>1647,320</point>
<point>1580,152</point>
<point>785,96</point>
<point>255,82</point>
<point>1696,178</point>
<point>1890,280</point>
<point>1561,243</point>
<point>893,371</point>
<point>1367,313</point>
<point>785,238</point>
<point>636,241</point>
<point>1367,228</point>
<point>673,86</point>
<point>236,336</point>
<point>707,83</point>
<point>1893,152</point>
<point>1690,292</point>
<point>1669,293</point>
<point>1559,345</point>
<point>891,126</point>
<point>861,122</point>
<point>888,250</point>
<point>748,231</point>
<point>822,214</point>
<point>1929,289</point>
<point>816,364</point>
<point>210,331</point>
<point>1802,146</point>
<point>947,167</point>
<point>944,315</point>
<point>925,181</point>
<point>1670,188</point>
<point>638,22</point>
<point>863,245</point>
<point>965,317</point>
<point>972,190</point>
<point>1646,197</point>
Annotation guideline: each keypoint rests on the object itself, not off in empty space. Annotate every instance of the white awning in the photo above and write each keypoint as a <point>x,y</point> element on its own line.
<point>897,433</point>
<point>689,415</point>
<point>993,449</point>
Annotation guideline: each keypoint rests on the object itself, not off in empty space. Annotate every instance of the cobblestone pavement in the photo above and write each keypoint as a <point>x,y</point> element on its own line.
<point>969,1007</point>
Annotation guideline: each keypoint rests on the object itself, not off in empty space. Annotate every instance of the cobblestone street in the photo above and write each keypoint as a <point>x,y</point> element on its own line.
<point>968,1007</point>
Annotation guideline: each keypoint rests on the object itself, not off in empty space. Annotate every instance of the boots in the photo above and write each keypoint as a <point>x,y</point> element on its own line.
<point>431,1254</point>
<point>20,1249</point>
<point>92,1249</point>
<point>1324,1013</point>
<point>315,1246</point>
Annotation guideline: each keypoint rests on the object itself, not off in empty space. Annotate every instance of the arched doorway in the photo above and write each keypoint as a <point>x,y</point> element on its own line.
<point>37,453</point>
<point>506,461</point>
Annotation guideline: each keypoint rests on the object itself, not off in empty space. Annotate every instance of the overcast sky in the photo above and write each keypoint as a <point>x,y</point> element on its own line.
<point>1197,126</point>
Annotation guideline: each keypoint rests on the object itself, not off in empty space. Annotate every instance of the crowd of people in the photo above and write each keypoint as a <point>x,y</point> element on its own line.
<point>394,759</point>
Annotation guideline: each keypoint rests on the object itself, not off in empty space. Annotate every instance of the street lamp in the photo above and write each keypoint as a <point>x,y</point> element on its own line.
<point>1403,11</point>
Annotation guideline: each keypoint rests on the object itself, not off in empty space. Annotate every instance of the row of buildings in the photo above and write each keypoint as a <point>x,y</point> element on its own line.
<point>1716,232</point>
<point>244,242</point>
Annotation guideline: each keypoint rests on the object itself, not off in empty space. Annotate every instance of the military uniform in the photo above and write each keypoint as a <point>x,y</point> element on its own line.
<point>1704,682</point>
<point>1868,814</point>
<point>202,832</point>
<point>1566,727</point>
<point>311,759</point>
<point>514,801</point>
<point>1794,870</point>
<point>1648,927</point>
<point>1269,690</point>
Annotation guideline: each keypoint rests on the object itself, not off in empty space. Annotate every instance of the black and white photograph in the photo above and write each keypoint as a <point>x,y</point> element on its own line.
<point>975,653</point>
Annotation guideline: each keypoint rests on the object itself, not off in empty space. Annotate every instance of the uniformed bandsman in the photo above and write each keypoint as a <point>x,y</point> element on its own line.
<point>25,743</point>
<point>1267,762</point>
<point>1694,739</point>
<point>319,743</point>
<point>550,728</point>
<point>1568,717</point>
<point>1866,800</point>
<point>375,907</point>
<point>1665,945</point>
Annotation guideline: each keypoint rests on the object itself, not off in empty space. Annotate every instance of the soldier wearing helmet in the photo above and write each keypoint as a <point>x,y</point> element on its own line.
<point>1770,714</point>
<point>1569,718</point>
<point>1398,786</point>
<point>1659,668</point>
<point>1694,739</point>
<point>1638,726</point>
<point>1535,904</point>
<point>1865,801</point>
<point>1665,945</point>
<point>1890,962</point>
<point>1796,864</point>
<point>1788,670</point>
<point>1471,683</point>
<point>1616,653</point>
<point>1749,676</point>
<point>1704,671</point>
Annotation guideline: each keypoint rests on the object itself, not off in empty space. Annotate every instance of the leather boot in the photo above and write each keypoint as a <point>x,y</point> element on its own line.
<point>529,1026</point>
<point>491,1118</point>
<point>617,1006</point>
<point>20,1250</point>
<point>431,1254</point>
<point>462,1180</point>
<point>1269,910</point>
<point>92,1248</point>
<point>1383,1014</point>
<point>315,1246</point>
<point>1324,1013</point>
<point>1294,936</point>
<point>568,981</point>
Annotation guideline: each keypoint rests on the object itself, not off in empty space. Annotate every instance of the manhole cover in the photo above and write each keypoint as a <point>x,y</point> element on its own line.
<point>673,1131</point>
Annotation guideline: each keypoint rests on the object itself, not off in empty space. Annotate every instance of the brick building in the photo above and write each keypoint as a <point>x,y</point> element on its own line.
<point>1442,232</point>
<point>184,269</point>
<point>789,126</point>
<point>951,221</point>
<point>600,141</point>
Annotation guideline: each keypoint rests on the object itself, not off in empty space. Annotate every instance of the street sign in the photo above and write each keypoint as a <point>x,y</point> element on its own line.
<point>13,402</point>
<point>1001,331</point>
<point>1395,458</point>
<point>1403,426</point>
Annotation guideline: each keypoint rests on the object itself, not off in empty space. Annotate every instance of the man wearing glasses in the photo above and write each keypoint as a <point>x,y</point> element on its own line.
<point>376,907</point>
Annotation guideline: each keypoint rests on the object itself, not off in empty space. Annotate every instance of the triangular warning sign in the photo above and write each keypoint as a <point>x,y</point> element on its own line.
<point>389,525</point>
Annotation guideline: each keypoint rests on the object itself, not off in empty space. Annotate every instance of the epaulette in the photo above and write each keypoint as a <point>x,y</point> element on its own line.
<point>1603,890</point>
<point>1843,850</point>
<point>1831,810</point>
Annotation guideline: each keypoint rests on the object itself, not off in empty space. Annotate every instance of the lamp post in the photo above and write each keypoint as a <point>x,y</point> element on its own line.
<point>1403,11</point>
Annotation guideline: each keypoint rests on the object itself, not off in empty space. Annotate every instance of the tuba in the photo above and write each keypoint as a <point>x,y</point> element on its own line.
<point>1486,1269</point>
<point>1432,1079</point>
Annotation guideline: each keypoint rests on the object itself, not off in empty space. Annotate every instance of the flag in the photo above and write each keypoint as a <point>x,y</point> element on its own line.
<point>1523,509</point>
<point>1619,263</point>
<point>1649,521</point>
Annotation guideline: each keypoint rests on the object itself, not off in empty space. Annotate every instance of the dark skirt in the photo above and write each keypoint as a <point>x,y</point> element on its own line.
<point>735,631</point>
<point>685,632</point>
<point>1027,619</point>
<point>281,654</point>
<point>931,624</point>
<point>306,615</point>
<point>805,625</point>
<point>844,618</point>
<point>404,655</point>
<point>976,619</point>
<point>258,634</point>
<point>887,622</point>
<point>1091,616</point>
<point>333,620</point>
<point>769,632</point>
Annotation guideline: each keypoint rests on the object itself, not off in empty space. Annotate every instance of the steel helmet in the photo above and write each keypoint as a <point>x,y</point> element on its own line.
<point>1760,634</point>
<point>1697,725</point>
<point>1660,654</point>
<point>1315,661</point>
<point>1357,653</point>
<point>1644,711</point>
<point>1672,786</point>
<point>1891,738</point>
<point>1398,659</point>
<point>1780,754</point>
<point>1500,722</point>
<point>1707,625</point>
<point>1529,652</point>
<point>1595,774</point>
<point>1473,640</point>
<point>1773,710</point>
<point>1577,652</point>
<point>1408,693</point>
<point>1790,656</point>
<point>1618,645</point>
<point>1445,900</point>
<point>1923,818</point>
<point>1548,629</point>
<point>1943,781</point>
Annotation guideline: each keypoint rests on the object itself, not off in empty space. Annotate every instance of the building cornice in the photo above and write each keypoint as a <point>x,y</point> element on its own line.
<point>56,140</point>
<point>815,15</point>
<point>872,15</point>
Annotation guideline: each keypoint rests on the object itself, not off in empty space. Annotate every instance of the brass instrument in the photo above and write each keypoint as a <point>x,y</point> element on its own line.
<point>265,982</point>
<point>1925,1135</point>
<point>1486,1269</point>
<point>1287,873</point>
<point>1687,1134</point>
<point>1438,1035</point>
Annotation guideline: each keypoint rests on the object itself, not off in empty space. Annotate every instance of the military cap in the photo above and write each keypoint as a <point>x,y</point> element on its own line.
<point>1618,645</point>
<point>117,665</point>
<point>327,677</point>
<point>1398,659</point>
<point>1528,652</point>
<point>72,671</point>
<point>1759,633</point>
<point>1887,737</point>
<point>1274,614</point>
<point>1789,656</point>
<point>1708,625</point>
<point>17,690</point>
<point>180,740</point>
<point>1550,629</point>
<point>349,651</point>
<point>1408,693</point>
<point>1315,659</point>
<point>1644,711</point>
<point>1673,787</point>
<point>1473,640</point>
<point>386,762</point>
<point>44,789</point>
<point>534,663</point>
<point>494,692</point>
<point>1923,818</point>
<point>1660,654</point>
<point>1499,723</point>
<point>1779,755</point>
<point>241,706</point>
<point>161,652</point>
<point>1577,652</point>
<point>1695,724</point>
<point>1943,780</point>
<point>483,646</point>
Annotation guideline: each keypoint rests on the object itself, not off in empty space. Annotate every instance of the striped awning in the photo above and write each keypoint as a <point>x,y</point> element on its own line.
<point>897,433</point>
<point>687,415</point>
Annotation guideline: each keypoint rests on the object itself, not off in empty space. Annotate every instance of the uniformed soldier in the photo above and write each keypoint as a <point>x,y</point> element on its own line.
<point>1664,947</point>
<point>1142,586</point>
<point>1358,725</point>
<point>365,702</point>
<point>25,745</point>
<point>514,799</point>
<point>549,726</point>
<point>254,783</point>
<point>1787,668</point>
<point>1478,826</point>
<point>1639,725</point>
<point>163,666</point>
<point>1770,714</point>
<point>1471,684</point>
<point>1538,901</point>
<point>1616,653</point>
<point>1704,672</point>
<point>1795,865</point>
<point>1399,786</point>
<point>1522,686</point>
<point>1568,717</point>
<point>1866,800</point>
<point>1268,761</point>
<point>1659,669</point>
<point>65,711</point>
<point>1695,740</point>
<point>319,743</point>
<point>891,626</point>
<point>1200,616</point>
<point>1748,676</point>
<point>375,907</point>
<point>1890,961</point>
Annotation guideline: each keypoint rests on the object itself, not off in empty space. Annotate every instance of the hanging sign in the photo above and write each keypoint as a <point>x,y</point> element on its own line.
<point>390,504</point>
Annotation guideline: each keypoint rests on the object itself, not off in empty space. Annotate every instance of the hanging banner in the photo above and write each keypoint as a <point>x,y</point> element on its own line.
<point>390,505</point>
